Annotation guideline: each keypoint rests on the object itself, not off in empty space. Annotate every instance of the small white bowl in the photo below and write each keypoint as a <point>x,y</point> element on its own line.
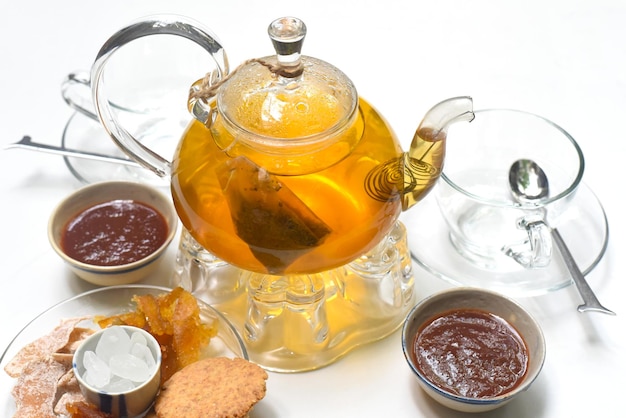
<point>97,193</point>
<point>478,299</point>
<point>130,403</point>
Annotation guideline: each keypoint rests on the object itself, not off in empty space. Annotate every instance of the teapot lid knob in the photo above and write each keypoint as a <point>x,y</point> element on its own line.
<point>287,35</point>
<point>270,101</point>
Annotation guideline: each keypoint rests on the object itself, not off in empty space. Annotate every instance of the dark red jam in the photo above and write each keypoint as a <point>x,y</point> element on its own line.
<point>114,233</point>
<point>471,353</point>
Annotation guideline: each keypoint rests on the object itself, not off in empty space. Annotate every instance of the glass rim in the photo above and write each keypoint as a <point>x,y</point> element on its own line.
<point>540,202</point>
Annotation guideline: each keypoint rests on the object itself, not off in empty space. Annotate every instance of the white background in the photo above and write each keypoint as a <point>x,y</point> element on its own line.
<point>565,60</point>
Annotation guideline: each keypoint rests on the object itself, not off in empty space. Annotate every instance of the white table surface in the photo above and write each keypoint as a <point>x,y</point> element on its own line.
<point>565,60</point>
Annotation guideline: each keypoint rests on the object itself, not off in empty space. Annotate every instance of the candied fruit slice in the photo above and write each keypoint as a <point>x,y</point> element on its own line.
<point>36,388</point>
<point>190,334</point>
<point>85,410</point>
<point>167,303</point>
<point>134,318</point>
<point>39,349</point>
<point>149,305</point>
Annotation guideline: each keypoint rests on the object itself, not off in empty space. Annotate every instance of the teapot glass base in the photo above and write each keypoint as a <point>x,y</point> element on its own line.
<point>302,322</point>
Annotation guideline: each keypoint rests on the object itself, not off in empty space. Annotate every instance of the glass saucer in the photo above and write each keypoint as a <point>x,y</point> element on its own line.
<point>109,301</point>
<point>584,227</point>
<point>85,134</point>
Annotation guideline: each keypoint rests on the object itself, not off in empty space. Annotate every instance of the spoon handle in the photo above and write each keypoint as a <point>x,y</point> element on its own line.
<point>27,143</point>
<point>590,302</point>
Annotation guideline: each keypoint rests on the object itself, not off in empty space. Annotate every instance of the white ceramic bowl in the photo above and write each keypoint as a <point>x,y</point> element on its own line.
<point>96,193</point>
<point>130,403</point>
<point>488,301</point>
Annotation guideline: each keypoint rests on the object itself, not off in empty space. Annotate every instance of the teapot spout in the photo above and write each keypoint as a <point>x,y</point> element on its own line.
<point>423,163</point>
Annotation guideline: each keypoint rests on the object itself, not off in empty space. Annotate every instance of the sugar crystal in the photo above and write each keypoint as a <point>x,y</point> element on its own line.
<point>129,367</point>
<point>117,385</point>
<point>144,353</point>
<point>138,338</point>
<point>97,372</point>
<point>114,340</point>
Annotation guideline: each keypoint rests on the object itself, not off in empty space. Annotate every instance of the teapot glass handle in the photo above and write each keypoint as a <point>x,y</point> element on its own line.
<point>152,25</point>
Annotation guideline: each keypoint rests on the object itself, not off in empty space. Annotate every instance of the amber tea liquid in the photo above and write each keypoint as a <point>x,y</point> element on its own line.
<point>332,199</point>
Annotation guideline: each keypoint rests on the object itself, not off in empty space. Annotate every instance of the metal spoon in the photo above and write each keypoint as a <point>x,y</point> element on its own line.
<point>27,143</point>
<point>529,184</point>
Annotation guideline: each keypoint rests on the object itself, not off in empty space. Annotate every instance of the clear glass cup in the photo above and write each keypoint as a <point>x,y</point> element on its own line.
<point>486,224</point>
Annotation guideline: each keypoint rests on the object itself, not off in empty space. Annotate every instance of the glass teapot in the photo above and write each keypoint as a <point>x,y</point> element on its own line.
<point>289,186</point>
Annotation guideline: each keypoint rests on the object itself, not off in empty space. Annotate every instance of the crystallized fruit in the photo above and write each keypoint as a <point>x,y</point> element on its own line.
<point>174,320</point>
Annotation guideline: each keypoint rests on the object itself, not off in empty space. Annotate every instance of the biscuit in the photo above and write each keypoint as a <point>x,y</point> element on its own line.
<point>214,387</point>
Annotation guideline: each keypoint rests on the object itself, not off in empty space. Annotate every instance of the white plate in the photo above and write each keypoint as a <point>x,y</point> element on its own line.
<point>584,228</point>
<point>108,301</point>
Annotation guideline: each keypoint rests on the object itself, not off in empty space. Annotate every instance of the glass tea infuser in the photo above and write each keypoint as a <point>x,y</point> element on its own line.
<point>289,187</point>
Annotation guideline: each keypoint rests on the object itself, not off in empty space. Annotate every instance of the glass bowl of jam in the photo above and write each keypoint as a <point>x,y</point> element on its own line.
<point>472,350</point>
<point>113,232</point>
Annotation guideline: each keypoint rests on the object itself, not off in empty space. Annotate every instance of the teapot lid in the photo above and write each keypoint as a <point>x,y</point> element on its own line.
<point>288,96</point>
